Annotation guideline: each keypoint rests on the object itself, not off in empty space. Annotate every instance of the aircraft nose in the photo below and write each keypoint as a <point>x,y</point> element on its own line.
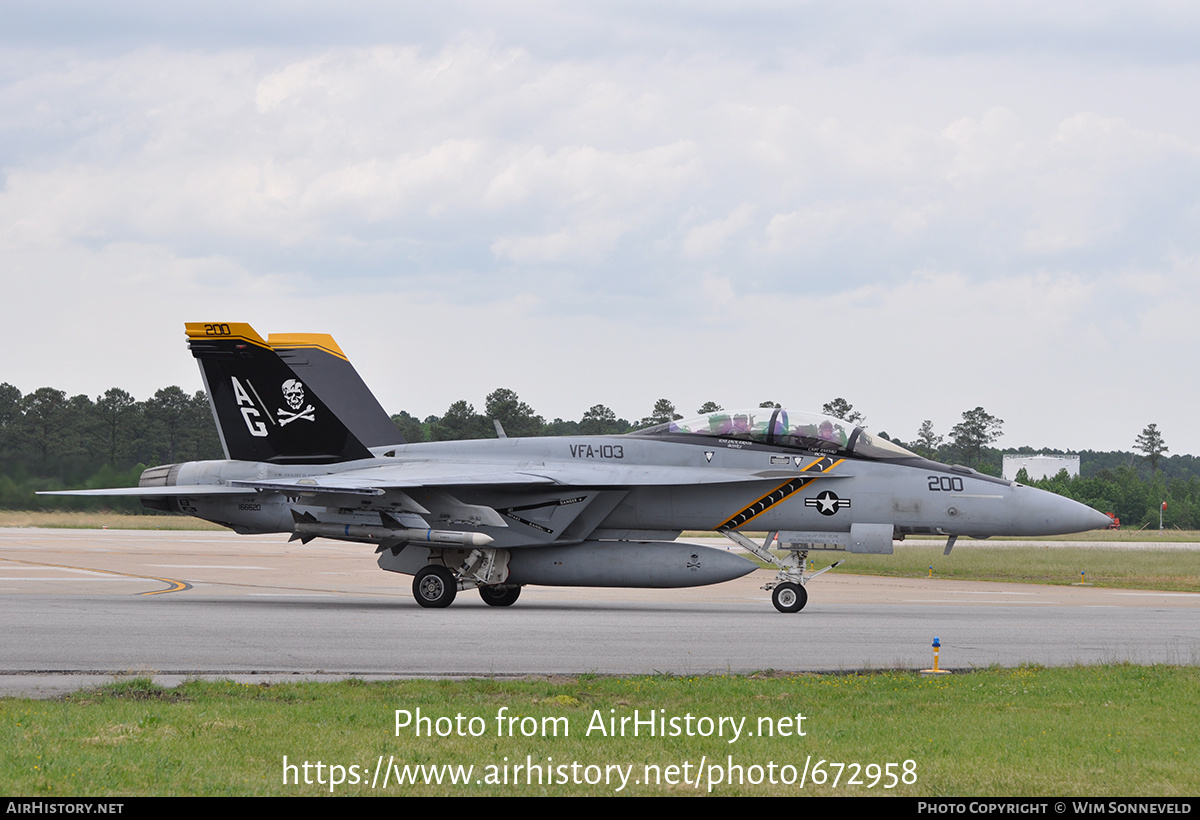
<point>1099,520</point>
<point>1050,514</point>
<point>1073,516</point>
<point>1080,518</point>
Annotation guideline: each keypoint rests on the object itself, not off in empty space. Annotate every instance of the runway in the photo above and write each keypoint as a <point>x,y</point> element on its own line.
<point>81,606</point>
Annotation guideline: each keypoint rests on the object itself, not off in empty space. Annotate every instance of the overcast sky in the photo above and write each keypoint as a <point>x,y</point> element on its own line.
<point>922,207</point>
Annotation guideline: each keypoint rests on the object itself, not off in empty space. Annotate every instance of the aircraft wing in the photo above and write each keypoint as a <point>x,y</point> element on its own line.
<point>375,481</point>
<point>614,475</point>
<point>411,475</point>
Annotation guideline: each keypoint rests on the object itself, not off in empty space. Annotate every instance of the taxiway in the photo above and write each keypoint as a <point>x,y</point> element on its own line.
<point>81,606</point>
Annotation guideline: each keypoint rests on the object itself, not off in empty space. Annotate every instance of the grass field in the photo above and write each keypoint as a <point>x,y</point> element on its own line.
<point>102,520</point>
<point>1147,535</point>
<point>1118,730</point>
<point>1173,570</point>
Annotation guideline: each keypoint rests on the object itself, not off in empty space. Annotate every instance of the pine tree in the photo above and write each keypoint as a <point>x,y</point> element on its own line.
<point>1151,445</point>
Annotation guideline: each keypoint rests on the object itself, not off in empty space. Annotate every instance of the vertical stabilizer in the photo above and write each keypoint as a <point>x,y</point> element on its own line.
<point>264,410</point>
<point>317,361</point>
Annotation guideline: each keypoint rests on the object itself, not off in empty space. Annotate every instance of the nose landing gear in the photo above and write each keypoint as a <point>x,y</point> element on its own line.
<point>789,597</point>
<point>787,589</point>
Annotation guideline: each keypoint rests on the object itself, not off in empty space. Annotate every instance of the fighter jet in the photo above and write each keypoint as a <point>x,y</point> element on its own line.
<point>311,453</point>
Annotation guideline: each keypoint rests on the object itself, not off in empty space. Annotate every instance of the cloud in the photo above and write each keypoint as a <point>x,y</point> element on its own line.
<point>948,211</point>
<point>707,239</point>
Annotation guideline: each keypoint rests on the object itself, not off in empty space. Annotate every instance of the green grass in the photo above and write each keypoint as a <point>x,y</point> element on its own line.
<point>1176,570</point>
<point>1117,730</point>
<point>1147,535</point>
<point>52,519</point>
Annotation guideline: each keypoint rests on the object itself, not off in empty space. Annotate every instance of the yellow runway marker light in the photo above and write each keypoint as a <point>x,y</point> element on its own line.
<point>937,645</point>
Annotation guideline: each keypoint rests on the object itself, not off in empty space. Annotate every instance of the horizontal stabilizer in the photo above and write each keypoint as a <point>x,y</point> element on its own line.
<point>179,489</point>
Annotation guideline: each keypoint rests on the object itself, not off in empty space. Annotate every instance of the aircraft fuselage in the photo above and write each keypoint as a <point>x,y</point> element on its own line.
<point>718,488</point>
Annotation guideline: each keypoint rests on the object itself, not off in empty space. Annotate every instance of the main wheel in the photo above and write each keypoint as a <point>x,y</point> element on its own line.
<point>434,587</point>
<point>499,595</point>
<point>789,597</point>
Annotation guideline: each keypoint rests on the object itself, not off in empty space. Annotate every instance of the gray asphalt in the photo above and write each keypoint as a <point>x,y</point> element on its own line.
<point>79,607</point>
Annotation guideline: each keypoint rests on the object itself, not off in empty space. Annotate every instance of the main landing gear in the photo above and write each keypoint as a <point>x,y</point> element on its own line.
<point>499,595</point>
<point>787,589</point>
<point>436,585</point>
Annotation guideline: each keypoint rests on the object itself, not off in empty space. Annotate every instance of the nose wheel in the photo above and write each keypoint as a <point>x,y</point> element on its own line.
<point>789,597</point>
<point>787,589</point>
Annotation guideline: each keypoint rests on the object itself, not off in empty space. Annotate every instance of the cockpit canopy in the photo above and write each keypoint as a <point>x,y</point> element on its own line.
<point>777,427</point>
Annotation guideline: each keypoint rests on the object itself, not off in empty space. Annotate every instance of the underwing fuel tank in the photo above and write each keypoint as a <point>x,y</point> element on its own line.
<point>656,564</point>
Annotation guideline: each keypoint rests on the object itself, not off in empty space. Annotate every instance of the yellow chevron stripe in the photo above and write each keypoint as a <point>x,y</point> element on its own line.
<point>765,496</point>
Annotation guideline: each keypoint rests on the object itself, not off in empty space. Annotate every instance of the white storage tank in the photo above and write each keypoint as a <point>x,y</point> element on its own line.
<point>1040,466</point>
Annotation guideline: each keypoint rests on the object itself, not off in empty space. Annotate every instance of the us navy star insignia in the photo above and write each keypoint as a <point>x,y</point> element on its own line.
<point>827,503</point>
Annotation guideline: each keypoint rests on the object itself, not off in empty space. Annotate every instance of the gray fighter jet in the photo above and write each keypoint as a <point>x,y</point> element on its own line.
<point>311,453</point>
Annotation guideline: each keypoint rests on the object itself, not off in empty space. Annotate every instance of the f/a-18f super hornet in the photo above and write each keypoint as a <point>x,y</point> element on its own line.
<point>310,452</point>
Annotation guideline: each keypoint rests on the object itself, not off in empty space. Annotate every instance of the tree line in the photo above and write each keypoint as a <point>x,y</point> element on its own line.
<point>49,441</point>
<point>1130,485</point>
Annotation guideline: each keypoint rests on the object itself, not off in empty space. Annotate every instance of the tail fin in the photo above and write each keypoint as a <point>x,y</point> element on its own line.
<point>317,361</point>
<point>263,411</point>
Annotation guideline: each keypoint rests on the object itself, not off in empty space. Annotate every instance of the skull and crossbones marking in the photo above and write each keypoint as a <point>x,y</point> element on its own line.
<point>293,394</point>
